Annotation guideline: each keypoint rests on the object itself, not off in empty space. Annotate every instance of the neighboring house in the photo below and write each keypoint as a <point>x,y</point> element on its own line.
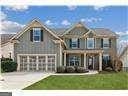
<point>124,58</point>
<point>38,47</point>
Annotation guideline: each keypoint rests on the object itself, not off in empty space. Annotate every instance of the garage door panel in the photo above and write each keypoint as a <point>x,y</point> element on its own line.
<point>32,63</point>
<point>38,62</point>
<point>42,63</point>
<point>51,63</point>
<point>23,63</point>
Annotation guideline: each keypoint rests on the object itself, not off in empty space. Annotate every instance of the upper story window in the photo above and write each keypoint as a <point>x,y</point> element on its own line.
<point>36,34</point>
<point>90,43</point>
<point>105,42</point>
<point>74,43</point>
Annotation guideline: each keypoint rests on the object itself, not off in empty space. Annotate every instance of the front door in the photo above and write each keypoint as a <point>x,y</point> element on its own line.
<point>90,62</point>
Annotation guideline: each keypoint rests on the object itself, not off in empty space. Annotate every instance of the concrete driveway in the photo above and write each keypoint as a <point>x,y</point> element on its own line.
<point>20,80</point>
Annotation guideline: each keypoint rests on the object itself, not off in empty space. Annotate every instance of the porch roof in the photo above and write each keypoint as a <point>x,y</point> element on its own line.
<point>83,51</point>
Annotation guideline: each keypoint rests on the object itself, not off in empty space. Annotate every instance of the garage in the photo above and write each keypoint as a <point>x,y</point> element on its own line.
<point>38,62</point>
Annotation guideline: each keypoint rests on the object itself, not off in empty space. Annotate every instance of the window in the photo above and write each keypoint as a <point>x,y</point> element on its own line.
<point>90,43</point>
<point>106,58</point>
<point>74,43</point>
<point>36,34</point>
<point>74,61</point>
<point>105,43</point>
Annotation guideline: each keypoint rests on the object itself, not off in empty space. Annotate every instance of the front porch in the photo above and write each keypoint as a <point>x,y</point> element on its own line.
<point>90,59</point>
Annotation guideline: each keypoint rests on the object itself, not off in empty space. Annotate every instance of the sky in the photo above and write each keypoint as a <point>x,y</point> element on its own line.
<point>115,18</point>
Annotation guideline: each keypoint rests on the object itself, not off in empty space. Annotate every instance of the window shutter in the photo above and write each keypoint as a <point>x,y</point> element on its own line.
<point>109,43</point>
<point>42,35</point>
<point>70,42</point>
<point>31,35</point>
<point>102,43</point>
<point>78,43</point>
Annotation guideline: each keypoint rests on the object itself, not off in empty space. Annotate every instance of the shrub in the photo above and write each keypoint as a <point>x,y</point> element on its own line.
<point>7,65</point>
<point>60,69</point>
<point>81,70</point>
<point>70,69</point>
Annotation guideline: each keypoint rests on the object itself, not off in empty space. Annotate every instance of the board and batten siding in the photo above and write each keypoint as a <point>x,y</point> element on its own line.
<point>47,46</point>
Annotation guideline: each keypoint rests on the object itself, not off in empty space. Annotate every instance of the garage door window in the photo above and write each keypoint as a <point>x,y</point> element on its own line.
<point>32,60</point>
<point>51,63</point>
<point>42,63</point>
<point>23,61</point>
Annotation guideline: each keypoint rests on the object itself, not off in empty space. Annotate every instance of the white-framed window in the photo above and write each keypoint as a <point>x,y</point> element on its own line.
<point>105,43</point>
<point>90,43</point>
<point>36,34</point>
<point>74,61</point>
<point>74,43</point>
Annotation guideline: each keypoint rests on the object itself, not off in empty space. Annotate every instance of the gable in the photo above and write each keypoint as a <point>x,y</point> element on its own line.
<point>34,23</point>
<point>78,29</point>
<point>90,34</point>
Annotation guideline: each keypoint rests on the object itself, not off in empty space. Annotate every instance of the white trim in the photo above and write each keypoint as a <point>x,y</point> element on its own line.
<point>85,60</point>
<point>90,30</point>
<point>28,63</point>
<point>18,62</point>
<point>46,62</point>
<point>39,29</point>
<point>64,58</point>
<point>100,61</point>
<point>55,63</point>
<point>93,62</point>
<point>60,54</point>
<point>36,54</point>
<point>37,63</point>
<point>85,43</point>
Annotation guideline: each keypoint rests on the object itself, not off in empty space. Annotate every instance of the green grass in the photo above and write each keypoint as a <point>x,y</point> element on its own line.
<point>110,81</point>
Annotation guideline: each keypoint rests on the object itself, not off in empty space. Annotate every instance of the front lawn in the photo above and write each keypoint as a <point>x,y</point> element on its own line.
<point>80,82</point>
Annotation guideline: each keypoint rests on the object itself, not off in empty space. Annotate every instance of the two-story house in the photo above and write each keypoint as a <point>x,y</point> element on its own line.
<point>38,47</point>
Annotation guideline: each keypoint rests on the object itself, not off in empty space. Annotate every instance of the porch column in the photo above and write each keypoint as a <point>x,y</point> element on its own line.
<point>65,59</point>
<point>100,61</point>
<point>85,60</point>
<point>18,61</point>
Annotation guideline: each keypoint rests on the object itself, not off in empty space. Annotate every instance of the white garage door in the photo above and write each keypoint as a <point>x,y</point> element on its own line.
<point>41,62</point>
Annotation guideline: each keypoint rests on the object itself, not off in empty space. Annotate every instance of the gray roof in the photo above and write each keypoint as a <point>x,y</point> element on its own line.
<point>103,31</point>
<point>59,31</point>
<point>6,37</point>
<point>98,31</point>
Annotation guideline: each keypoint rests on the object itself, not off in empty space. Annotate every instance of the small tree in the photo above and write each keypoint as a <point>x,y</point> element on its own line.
<point>115,60</point>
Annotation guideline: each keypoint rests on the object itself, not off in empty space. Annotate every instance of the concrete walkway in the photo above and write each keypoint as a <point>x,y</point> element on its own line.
<point>88,73</point>
<point>20,80</point>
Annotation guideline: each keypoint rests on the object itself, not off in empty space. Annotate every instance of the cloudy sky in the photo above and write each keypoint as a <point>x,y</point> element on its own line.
<point>13,18</point>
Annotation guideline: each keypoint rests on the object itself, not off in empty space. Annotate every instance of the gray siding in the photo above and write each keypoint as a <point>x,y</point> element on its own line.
<point>27,47</point>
